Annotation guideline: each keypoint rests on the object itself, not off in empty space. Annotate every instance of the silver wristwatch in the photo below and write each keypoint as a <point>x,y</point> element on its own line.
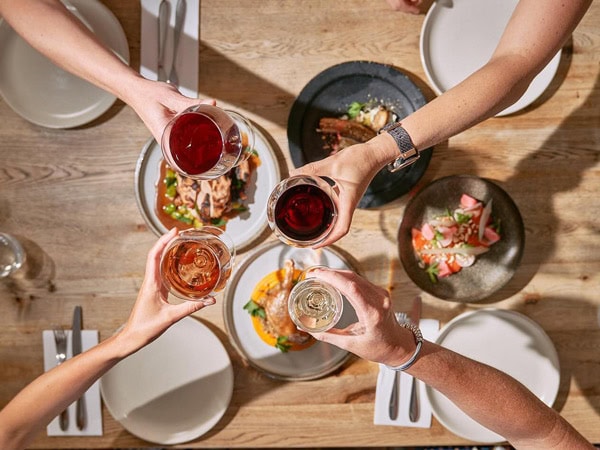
<point>408,153</point>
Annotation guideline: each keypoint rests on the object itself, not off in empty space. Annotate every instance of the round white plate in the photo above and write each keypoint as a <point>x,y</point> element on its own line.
<point>508,341</point>
<point>243,228</point>
<point>174,389</point>
<point>46,95</point>
<point>313,362</point>
<point>458,37</point>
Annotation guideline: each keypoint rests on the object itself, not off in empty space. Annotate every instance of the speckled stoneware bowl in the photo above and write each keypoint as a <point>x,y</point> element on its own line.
<point>493,269</point>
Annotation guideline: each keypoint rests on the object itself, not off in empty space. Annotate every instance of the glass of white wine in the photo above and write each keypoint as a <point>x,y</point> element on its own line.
<point>314,305</point>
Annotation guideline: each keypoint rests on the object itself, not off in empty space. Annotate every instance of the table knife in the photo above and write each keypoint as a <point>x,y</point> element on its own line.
<point>76,346</point>
<point>413,408</point>
<point>163,26</point>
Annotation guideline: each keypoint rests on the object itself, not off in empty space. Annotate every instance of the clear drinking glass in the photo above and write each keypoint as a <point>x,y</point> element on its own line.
<point>301,210</point>
<point>197,262</point>
<point>314,305</point>
<point>12,255</point>
<point>204,142</point>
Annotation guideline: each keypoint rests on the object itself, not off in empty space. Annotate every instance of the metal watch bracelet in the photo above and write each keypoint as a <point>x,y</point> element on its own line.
<point>418,338</point>
<point>408,153</point>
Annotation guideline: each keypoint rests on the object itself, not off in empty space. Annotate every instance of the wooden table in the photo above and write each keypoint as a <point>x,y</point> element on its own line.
<point>69,194</point>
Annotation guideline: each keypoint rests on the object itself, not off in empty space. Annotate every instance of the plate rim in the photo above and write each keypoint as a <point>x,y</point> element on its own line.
<point>232,335</point>
<point>403,240</point>
<point>513,317</point>
<point>80,119</point>
<point>534,91</point>
<point>328,76</point>
<point>194,322</point>
<point>142,165</point>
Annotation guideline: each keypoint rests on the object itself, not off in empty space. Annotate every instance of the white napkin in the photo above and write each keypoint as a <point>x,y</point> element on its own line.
<point>385,379</point>
<point>187,55</point>
<point>93,408</point>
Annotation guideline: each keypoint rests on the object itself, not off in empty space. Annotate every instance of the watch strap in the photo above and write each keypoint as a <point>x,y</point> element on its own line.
<point>408,153</point>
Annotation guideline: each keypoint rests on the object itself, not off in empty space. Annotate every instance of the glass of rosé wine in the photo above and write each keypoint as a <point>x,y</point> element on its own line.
<point>197,263</point>
<point>314,305</point>
<point>204,142</point>
<point>301,211</point>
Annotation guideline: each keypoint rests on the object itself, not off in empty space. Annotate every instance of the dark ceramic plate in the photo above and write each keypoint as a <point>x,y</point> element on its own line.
<point>330,94</point>
<point>493,269</point>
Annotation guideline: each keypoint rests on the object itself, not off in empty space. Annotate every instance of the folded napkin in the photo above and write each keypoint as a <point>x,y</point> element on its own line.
<point>187,55</point>
<point>385,379</point>
<point>93,408</point>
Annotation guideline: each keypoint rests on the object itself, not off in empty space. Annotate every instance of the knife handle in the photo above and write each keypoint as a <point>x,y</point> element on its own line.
<point>80,413</point>
<point>63,420</point>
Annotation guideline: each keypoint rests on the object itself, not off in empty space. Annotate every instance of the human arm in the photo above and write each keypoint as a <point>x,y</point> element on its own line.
<point>410,6</point>
<point>535,32</point>
<point>487,395</point>
<point>49,394</point>
<point>51,29</point>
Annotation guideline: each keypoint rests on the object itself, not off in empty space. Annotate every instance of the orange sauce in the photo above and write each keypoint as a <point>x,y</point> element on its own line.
<point>269,282</point>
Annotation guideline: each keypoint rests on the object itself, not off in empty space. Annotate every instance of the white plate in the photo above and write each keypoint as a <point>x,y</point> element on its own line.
<point>173,390</point>
<point>313,362</point>
<point>508,341</point>
<point>43,93</point>
<point>243,228</point>
<point>459,36</point>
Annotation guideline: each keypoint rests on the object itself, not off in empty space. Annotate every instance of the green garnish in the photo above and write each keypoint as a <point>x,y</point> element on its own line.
<point>438,236</point>
<point>282,344</point>
<point>433,271</point>
<point>461,218</point>
<point>218,222</point>
<point>255,310</point>
<point>354,109</point>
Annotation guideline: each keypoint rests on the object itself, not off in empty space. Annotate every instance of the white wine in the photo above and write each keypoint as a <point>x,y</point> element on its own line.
<point>314,305</point>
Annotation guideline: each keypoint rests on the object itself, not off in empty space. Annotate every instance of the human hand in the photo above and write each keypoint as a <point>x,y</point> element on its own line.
<point>353,170</point>
<point>152,314</point>
<point>410,6</point>
<point>157,103</point>
<point>376,336</point>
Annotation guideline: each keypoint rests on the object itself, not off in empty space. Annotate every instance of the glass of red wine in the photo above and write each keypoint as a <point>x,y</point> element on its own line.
<point>301,211</point>
<point>197,262</point>
<point>204,142</point>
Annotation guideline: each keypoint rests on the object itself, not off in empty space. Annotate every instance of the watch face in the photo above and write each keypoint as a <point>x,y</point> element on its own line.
<point>330,94</point>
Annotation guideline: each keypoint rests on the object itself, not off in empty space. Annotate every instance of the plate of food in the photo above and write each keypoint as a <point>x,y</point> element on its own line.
<point>459,37</point>
<point>171,392</point>
<point>166,199</point>
<point>445,249</point>
<point>256,317</point>
<point>350,103</point>
<point>507,341</point>
<point>44,94</point>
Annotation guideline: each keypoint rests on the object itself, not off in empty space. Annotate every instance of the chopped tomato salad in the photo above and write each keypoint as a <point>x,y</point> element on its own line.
<point>449,242</point>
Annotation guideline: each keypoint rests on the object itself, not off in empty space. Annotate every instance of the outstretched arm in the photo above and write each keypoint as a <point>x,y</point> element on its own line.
<point>535,32</point>
<point>489,396</point>
<point>49,394</point>
<point>49,27</point>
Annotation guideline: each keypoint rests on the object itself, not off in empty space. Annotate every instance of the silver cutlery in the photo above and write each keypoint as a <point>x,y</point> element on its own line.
<point>179,19</point>
<point>163,27</point>
<point>395,394</point>
<point>413,409</point>
<point>76,341</point>
<point>60,339</point>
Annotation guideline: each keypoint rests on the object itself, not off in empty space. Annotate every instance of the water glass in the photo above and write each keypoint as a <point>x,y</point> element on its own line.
<point>12,255</point>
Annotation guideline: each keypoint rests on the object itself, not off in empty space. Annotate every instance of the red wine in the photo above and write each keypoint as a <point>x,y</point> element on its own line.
<point>304,212</point>
<point>195,143</point>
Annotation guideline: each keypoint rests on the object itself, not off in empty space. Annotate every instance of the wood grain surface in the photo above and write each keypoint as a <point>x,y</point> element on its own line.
<point>69,195</point>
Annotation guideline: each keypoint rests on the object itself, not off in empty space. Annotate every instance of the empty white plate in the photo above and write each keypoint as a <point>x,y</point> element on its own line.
<point>508,341</point>
<point>173,390</point>
<point>459,36</point>
<point>41,92</point>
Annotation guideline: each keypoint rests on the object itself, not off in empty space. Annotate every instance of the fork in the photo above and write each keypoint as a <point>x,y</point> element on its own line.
<point>179,18</point>
<point>60,339</point>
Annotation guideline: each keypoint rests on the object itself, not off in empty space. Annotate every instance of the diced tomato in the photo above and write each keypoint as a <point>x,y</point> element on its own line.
<point>418,241</point>
<point>490,235</point>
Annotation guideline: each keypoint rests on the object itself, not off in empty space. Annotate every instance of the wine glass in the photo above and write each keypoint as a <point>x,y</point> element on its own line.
<point>301,211</point>
<point>12,255</point>
<point>314,305</point>
<point>197,262</point>
<point>204,142</point>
